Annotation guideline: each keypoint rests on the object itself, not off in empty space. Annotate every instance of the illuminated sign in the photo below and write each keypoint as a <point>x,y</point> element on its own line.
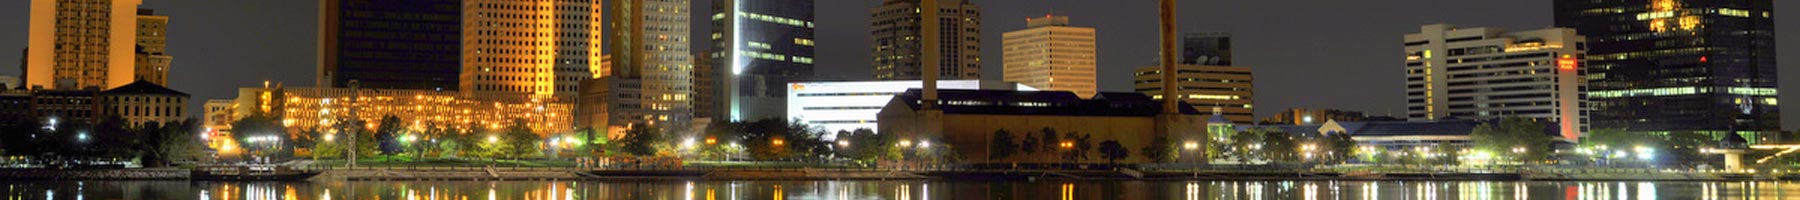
<point>1567,63</point>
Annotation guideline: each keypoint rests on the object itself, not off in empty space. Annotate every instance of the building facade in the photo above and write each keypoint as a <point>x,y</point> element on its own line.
<point>1302,116</point>
<point>1212,48</point>
<point>66,106</point>
<point>218,115</point>
<point>850,105</point>
<point>1051,55</point>
<point>302,109</point>
<point>648,43</point>
<point>390,44</point>
<point>1673,65</point>
<point>143,102</point>
<point>706,91</point>
<point>544,47</point>
<point>77,44</point>
<point>1225,89</point>
<point>1487,72</point>
<point>896,49</point>
<point>760,45</point>
<point>971,117</point>
<point>152,59</point>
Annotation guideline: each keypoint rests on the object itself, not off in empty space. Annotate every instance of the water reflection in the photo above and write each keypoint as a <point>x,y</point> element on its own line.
<point>899,190</point>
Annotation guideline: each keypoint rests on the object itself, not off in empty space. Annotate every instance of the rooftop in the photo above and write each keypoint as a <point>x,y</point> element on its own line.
<point>1062,103</point>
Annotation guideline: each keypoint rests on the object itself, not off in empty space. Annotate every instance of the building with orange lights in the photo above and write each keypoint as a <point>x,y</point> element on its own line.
<point>143,102</point>
<point>76,44</point>
<point>1051,55</point>
<point>1487,72</point>
<point>649,73</point>
<point>152,56</point>
<point>544,47</point>
<point>309,108</point>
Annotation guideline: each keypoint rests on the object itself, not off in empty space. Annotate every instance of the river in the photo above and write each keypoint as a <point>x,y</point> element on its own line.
<point>936,189</point>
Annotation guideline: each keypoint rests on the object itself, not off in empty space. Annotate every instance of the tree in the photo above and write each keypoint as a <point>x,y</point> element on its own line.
<point>1080,146</point>
<point>174,142</point>
<point>1520,138</point>
<point>520,141</point>
<point>1112,151</point>
<point>1340,147</point>
<point>641,140</point>
<point>1160,150</point>
<point>1279,146</point>
<point>1030,145</point>
<point>868,147</point>
<point>1245,146</point>
<point>1003,145</point>
<point>257,126</point>
<point>1048,140</point>
<point>387,135</point>
<point>112,138</point>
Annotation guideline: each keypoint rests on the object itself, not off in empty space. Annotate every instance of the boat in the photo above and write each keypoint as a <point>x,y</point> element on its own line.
<point>250,173</point>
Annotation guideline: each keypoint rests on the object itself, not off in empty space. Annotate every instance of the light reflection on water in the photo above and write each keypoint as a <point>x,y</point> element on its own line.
<point>809,190</point>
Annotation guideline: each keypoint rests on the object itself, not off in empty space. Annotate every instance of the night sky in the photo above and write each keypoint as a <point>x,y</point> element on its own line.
<point>1306,53</point>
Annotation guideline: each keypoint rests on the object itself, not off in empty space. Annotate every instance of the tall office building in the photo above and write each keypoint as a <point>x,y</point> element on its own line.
<point>1679,65</point>
<point>1051,55</point>
<point>390,44</point>
<point>896,48</point>
<point>152,56</point>
<point>1486,72</point>
<point>648,42</point>
<point>705,90</point>
<point>761,45</point>
<point>82,43</point>
<point>543,47</point>
<point>1211,48</point>
<point>1224,90</point>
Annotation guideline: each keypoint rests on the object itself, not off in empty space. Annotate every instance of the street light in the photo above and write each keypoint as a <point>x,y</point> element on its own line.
<point>924,144</point>
<point>778,142</point>
<point>844,143</point>
<point>493,139</point>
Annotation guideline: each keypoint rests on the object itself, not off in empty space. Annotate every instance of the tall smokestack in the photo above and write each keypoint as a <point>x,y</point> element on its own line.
<point>1170,95</point>
<point>929,33</point>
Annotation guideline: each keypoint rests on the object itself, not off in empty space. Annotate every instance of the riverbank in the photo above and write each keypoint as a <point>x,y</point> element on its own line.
<point>562,174</point>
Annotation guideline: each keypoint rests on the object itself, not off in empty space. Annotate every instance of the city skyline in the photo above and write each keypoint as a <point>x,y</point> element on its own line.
<point>239,52</point>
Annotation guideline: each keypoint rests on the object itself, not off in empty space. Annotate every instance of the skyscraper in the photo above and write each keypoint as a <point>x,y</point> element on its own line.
<point>1485,72</point>
<point>82,43</point>
<point>896,48</point>
<point>152,57</point>
<point>760,46</point>
<point>544,47</point>
<point>391,44</point>
<point>1051,55</point>
<point>1678,65</point>
<point>648,42</point>
<point>1213,48</point>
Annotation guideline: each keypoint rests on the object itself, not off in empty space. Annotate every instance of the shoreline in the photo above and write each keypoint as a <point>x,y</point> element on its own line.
<point>172,174</point>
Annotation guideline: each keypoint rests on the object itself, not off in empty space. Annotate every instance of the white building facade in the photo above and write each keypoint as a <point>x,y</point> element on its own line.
<point>1485,72</point>
<point>851,105</point>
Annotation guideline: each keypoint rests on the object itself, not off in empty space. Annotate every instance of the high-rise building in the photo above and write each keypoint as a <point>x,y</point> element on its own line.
<point>705,87</point>
<point>897,47</point>
<point>390,44</point>
<point>1676,65</point>
<point>82,43</point>
<point>1051,55</point>
<point>1486,72</point>
<point>152,56</point>
<point>1212,48</point>
<point>648,41</point>
<point>1221,90</point>
<point>544,47</point>
<point>305,108</point>
<point>761,45</point>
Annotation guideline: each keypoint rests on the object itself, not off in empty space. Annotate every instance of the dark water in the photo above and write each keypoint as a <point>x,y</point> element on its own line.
<point>804,190</point>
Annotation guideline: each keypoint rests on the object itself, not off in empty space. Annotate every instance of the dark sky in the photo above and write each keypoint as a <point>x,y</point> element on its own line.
<point>1306,53</point>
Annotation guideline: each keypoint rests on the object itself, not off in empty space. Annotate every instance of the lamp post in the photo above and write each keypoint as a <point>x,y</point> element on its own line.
<point>1193,146</point>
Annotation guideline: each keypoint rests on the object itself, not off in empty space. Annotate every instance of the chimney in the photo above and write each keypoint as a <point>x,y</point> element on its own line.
<point>1169,90</point>
<point>931,61</point>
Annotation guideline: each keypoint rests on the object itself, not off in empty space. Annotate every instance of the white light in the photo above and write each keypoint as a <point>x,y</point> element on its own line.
<point>924,144</point>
